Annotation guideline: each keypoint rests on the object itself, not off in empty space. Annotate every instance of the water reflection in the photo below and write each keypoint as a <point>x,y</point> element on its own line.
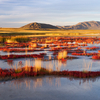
<point>87,65</point>
<point>10,63</point>
<point>35,82</point>
<point>84,80</point>
<point>39,82</point>
<point>51,65</point>
<point>56,65</point>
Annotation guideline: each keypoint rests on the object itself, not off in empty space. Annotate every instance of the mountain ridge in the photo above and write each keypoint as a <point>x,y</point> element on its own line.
<point>80,25</point>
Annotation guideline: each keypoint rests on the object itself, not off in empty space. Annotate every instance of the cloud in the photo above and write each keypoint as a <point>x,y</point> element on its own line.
<point>21,22</point>
<point>58,11</point>
<point>4,1</point>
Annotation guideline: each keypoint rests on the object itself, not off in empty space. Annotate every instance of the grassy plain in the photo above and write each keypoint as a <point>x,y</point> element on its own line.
<point>19,32</point>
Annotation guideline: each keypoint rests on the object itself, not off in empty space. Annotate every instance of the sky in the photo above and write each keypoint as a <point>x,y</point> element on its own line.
<point>17,13</point>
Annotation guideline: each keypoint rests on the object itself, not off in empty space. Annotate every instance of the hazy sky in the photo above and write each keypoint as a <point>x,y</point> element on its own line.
<point>16,13</point>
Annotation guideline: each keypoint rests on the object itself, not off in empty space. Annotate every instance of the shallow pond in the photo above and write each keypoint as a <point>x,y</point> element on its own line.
<point>47,88</point>
<point>50,87</point>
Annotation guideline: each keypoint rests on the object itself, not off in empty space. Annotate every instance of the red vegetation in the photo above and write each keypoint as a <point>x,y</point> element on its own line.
<point>12,56</point>
<point>78,74</point>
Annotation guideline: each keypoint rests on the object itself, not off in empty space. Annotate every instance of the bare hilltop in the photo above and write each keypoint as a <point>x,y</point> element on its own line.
<point>36,25</point>
<point>92,25</point>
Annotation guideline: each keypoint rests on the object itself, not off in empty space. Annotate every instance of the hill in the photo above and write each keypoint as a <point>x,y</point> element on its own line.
<point>39,26</point>
<point>84,25</point>
<point>91,25</point>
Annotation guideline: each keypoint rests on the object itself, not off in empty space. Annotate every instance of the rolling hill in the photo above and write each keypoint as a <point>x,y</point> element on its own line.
<point>84,25</point>
<point>81,25</point>
<point>39,26</point>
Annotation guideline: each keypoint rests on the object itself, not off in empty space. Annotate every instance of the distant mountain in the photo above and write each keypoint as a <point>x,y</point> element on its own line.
<point>62,27</point>
<point>84,25</point>
<point>81,25</point>
<point>39,26</point>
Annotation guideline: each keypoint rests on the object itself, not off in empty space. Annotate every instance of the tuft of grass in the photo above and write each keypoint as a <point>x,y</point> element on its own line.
<point>85,71</point>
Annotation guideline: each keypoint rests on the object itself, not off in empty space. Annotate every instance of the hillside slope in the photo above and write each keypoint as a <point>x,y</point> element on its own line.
<point>85,25</point>
<point>39,26</point>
